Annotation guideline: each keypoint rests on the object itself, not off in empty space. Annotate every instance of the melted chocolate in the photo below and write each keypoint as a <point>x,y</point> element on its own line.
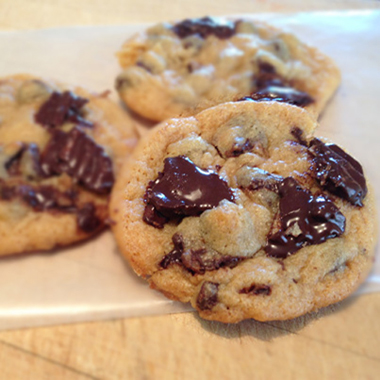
<point>61,108</point>
<point>183,189</point>
<point>255,289</point>
<point>281,94</point>
<point>204,27</point>
<point>270,86</point>
<point>208,295</point>
<point>305,220</point>
<point>80,157</point>
<point>338,172</point>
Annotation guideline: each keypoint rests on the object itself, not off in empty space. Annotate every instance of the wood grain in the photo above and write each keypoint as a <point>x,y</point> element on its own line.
<point>340,342</point>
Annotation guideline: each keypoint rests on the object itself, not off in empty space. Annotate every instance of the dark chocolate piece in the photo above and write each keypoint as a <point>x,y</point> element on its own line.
<point>204,27</point>
<point>42,198</point>
<point>13,164</point>
<point>39,198</point>
<point>338,173</point>
<point>281,94</point>
<point>208,295</point>
<point>298,134</point>
<point>239,148</point>
<point>47,198</point>
<point>199,261</point>
<point>87,219</point>
<point>153,217</point>
<point>80,157</point>
<point>305,220</point>
<point>270,86</point>
<point>267,76</point>
<point>256,289</point>
<point>196,261</point>
<point>174,256</point>
<point>261,179</point>
<point>7,192</point>
<point>61,108</point>
<point>183,189</point>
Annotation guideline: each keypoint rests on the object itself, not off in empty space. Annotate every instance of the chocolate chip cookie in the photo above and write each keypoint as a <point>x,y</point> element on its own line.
<point>174,69</point>
<point>60,149</point>
<point>241,211</point>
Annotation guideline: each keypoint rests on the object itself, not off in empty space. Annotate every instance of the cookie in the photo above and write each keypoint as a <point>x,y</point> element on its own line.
<point>60,150</point>
<point>174,69</point>
<point>241,211</point>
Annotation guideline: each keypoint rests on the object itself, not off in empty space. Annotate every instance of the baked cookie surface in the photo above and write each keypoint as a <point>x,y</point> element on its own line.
<point>242,212</point>
<point>60,149</point>
<point>176,69</point>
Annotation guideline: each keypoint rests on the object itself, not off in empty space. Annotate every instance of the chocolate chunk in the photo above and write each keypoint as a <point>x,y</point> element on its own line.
<point>305,220</point>
<point>7,192</point>
<point>266,68</point>
<point>261,179</point>
<point>51,163</point>
<point>87,219</point>
<point>183,189</point>
<point>199,261</point>
<point>40,198</point>
<point>281,94</point>
<point>196,261</point>
<point>31,153</point>
<point>239,148</point>
<point>208,295</point>
<point>48,198</point>
<point>174,256</point>
<point>270,86</point>
<point>267,76</point>
<point>298,134</point>
<point>153,217</point>
<point>12,165</point>
<point>256,289</point>
<point>192,260</point>
<point>338,173</point>
<point>80,157</point>
<point>204,27</point>
<point>61,108</point>
<point>30,161</point>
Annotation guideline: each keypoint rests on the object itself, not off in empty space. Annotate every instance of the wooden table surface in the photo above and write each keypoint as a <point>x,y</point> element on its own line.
<point>340,342</point>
